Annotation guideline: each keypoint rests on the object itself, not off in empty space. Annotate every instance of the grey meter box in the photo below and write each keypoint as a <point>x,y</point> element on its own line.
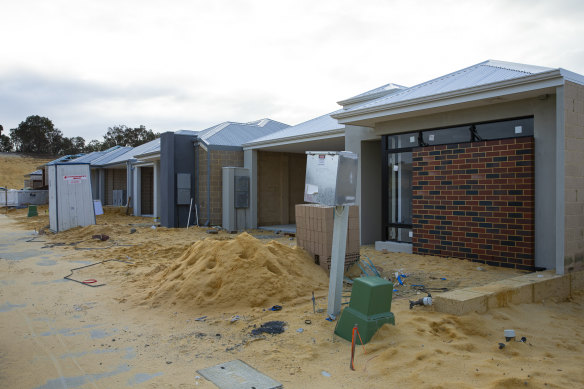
<point>183,189</point>
<point>331,177</point>
<point>241,192</point>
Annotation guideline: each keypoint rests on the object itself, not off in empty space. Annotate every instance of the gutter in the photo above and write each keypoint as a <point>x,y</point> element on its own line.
<point>539,77</point>
<point>281,141</point>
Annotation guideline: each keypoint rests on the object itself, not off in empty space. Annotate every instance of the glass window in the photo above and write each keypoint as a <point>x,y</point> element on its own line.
<point>402,141</point>
<point>506,129</point>
<point>447,135</point>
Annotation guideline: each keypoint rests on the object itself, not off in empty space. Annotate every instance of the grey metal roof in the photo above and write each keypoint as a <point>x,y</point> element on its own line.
<point>110,156</point>
<point>310,127</point>
<point>373,93</point>
<point>132,152</point>
<point>35,173</point>
<point>483,73</point>
<point>97,157</point>
<point>236,134</point>
<point>64,158</point>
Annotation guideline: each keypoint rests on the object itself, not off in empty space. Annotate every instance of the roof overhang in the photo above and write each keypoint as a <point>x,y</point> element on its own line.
<point>152,156</point>
<point>509,90</point>
<point>328,140</point>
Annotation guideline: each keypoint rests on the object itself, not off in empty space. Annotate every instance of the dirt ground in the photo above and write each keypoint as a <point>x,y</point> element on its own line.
<point>14,166</point>
<point>140,327</point>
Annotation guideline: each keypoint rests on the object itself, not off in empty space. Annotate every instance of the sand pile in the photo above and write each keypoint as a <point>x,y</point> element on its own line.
<point>242,272</point>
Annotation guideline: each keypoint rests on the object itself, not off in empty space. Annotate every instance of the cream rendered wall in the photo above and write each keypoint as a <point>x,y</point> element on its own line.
<point>543,109</point>
<point>574,179</point>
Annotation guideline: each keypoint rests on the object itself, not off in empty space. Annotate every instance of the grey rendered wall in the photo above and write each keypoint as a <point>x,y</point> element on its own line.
<point>177,155</point>
<point>546,164</point>
<point>362,141</point>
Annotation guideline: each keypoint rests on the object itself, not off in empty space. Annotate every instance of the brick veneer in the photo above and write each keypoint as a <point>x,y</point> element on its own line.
<point>219,159</point>
<point>475,201</point>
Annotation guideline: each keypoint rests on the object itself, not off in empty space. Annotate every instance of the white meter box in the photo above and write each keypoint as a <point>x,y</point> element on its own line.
<point>331,177</point>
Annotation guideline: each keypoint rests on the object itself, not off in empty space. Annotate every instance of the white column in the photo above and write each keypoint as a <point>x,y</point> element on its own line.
<point>156,197</point>
<point>136,199</point>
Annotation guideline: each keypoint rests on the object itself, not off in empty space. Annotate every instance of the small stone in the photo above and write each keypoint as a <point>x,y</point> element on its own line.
<point>168,362</point>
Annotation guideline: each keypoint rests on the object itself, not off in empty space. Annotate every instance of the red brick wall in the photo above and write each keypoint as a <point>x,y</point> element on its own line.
<point>476,201</point>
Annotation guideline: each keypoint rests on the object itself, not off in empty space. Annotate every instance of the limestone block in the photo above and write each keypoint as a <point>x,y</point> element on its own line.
<point>577,281</point>
<point>505,292</point>
<point>547,284</point>
<point>460,302</point>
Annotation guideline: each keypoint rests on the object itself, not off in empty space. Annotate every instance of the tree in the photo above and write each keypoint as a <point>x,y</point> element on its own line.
<point>5,143</point>
<point>37,134</point>
<point>122,135</point>
<point>73,145</point>
<point>92,146</point>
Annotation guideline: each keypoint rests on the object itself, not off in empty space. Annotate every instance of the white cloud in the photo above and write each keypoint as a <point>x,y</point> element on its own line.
<point>189,64</point>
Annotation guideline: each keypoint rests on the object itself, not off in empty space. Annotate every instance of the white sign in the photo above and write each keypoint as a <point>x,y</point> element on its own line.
<point>74,179</point>
<point>97,207</point>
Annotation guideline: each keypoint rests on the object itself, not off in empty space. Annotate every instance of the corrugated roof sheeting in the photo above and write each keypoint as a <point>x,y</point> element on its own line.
<point>481,74</point>
<point>236,134</point>
<point>108,157</point>
<point>65,158</point>
<point>131,153</point>
<point>313,126</point>
<point>383,88</point>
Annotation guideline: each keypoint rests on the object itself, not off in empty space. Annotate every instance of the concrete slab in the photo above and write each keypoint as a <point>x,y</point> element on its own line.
<point>237,374</point>
<point>548,284</point>
<point>460,302</point>
<point>284,228</point>
<point>393,247</point>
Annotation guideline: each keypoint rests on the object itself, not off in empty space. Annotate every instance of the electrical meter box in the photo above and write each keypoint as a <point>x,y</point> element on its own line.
<point>183,189</point>
<point>331,177</point>
<point>241,192</point>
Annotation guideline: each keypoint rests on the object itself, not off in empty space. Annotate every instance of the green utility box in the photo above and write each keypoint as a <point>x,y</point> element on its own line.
<point>370,308</point>
<point>32,211</point>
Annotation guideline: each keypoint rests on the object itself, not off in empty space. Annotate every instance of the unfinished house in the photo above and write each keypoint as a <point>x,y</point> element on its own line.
<point>278,162</point>
<point>484,164</point>
<point>106,185</point>
<point>34,180</point>
<point>190,169</point>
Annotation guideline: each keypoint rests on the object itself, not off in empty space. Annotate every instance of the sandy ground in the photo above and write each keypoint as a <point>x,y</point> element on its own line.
<point>140,328</point>
<point>14,166</point>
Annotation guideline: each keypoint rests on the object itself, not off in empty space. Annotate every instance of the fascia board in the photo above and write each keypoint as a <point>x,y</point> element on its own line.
<point>543,80</point>
<point>371,96</point>
<point>148,156</point>
<point>295,139</point>
<point>573,77</point>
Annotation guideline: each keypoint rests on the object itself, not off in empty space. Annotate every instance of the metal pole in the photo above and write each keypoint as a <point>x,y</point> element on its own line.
<point>190,210</point>
<point>341,223</point>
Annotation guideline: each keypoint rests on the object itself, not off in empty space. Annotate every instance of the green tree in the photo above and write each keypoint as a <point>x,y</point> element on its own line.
<point>122,135</point>
<point>93,145</point>
<point>5,143</point>
<point>37,134</point>
<point>73,145</point>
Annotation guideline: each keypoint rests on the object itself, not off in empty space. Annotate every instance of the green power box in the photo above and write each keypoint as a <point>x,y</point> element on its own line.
<point>370,308</point>
<point>32,211</point>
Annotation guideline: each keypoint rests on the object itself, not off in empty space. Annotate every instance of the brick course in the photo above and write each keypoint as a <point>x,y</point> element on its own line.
<point>475,201</point>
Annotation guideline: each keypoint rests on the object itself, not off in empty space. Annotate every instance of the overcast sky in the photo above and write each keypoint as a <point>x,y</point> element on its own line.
<point>189,64</point>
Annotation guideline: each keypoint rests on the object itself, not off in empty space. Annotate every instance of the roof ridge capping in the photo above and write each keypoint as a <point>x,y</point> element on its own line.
<point>371,94</point>
<point>519,67</point>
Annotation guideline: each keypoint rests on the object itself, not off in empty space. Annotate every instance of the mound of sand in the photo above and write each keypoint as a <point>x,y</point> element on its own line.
<point>241,272</point>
